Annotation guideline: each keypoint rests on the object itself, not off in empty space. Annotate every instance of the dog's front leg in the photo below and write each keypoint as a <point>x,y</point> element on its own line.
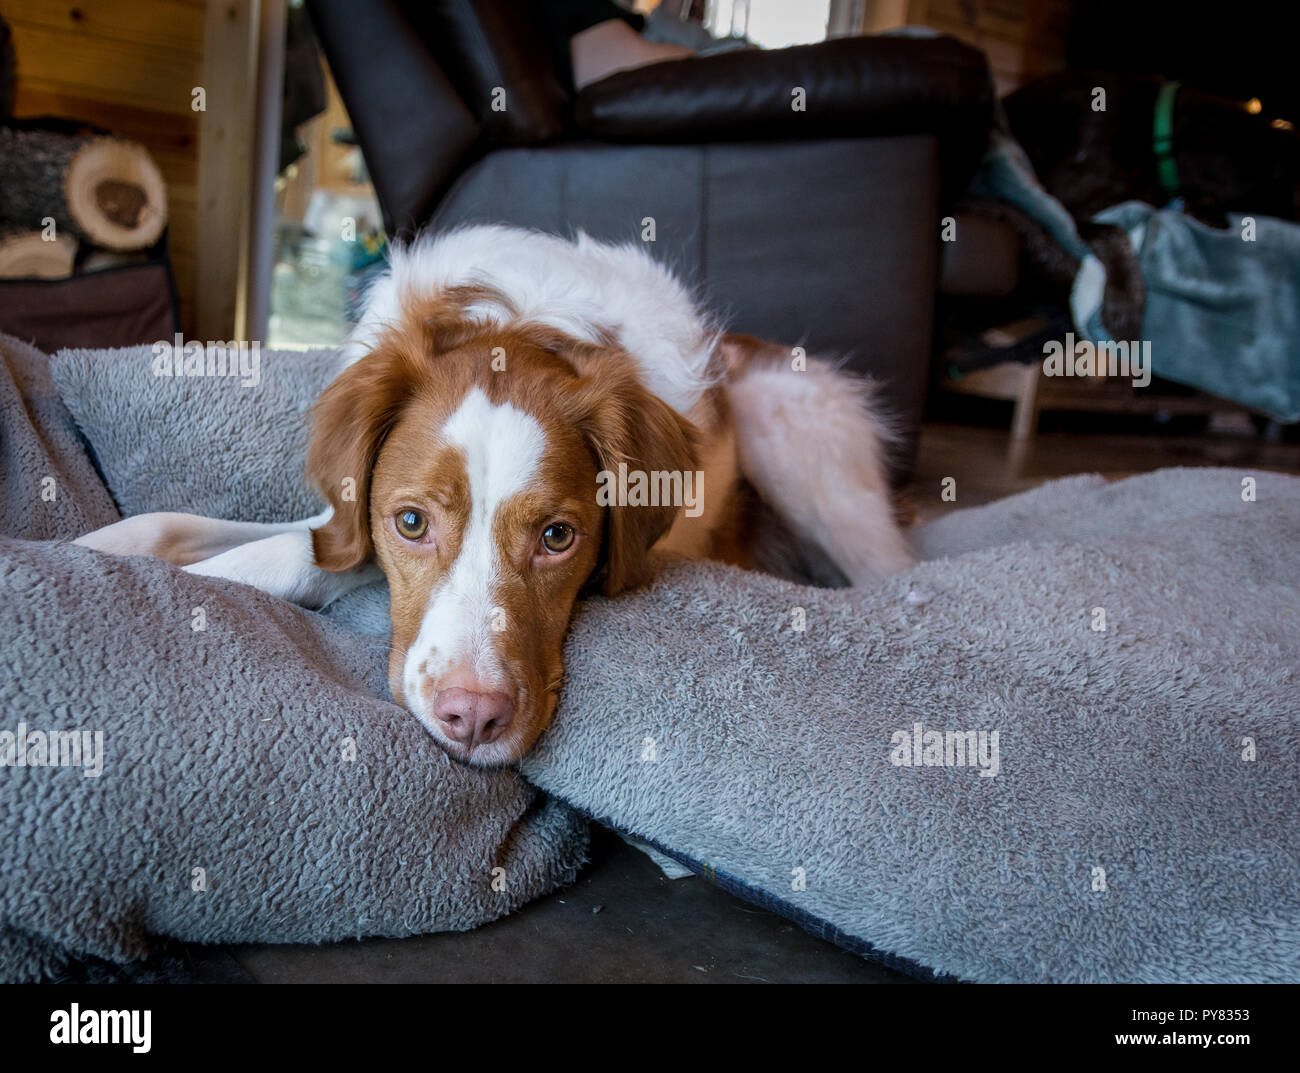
<point>283,565</point>
<point>183,539</point>
<point>274,557</point>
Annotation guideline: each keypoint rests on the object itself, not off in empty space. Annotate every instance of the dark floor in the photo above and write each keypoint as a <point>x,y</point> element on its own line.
<point>624,921</point>
<point>985,466</point>
<point>649,929</point>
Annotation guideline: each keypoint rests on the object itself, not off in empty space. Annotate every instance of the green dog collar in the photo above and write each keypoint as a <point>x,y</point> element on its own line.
<point>1163,144</point>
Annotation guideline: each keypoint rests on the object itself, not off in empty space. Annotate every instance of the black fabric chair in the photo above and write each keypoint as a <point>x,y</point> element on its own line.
<point>799,189</point>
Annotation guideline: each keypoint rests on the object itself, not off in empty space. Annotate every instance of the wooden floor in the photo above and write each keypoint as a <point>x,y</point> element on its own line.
<point>984,467</point>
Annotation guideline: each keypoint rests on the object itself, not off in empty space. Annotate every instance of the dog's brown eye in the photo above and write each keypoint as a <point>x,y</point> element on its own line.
<point>412,524</point>
<point>557,537</point>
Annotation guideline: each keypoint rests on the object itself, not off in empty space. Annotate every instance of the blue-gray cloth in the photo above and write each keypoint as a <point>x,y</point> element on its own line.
<point>1222,313</point>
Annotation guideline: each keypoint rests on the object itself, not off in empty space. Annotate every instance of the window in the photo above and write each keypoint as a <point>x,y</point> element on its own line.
<point>769,23</point>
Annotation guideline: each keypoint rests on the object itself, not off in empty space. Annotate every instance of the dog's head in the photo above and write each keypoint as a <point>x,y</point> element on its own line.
<point>465,460</point>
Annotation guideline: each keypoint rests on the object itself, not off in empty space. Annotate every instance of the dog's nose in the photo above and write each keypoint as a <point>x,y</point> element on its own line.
<point>473,718</point>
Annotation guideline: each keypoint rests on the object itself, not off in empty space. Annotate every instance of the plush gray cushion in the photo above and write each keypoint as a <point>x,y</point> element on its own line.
<point>48,486</point>
<point>696,718</point>
<point>1125,836</point>
<point>211,445</point>
<point>261,749</point>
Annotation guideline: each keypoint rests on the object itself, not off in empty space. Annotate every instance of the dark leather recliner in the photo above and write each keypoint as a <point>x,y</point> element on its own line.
<point>799,189</point>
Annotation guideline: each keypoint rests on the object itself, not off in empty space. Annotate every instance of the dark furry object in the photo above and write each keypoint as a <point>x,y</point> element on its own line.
<point>1228,160</point>
<point>1125,297</point>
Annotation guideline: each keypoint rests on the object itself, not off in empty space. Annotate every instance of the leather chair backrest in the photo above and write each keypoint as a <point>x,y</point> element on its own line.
<point>498,58</point>
<point>414,128</point>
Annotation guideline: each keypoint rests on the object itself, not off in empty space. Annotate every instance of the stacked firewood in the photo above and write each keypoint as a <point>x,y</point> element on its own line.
<point>65,194</point>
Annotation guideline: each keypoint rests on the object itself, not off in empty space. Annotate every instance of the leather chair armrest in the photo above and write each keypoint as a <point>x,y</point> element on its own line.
<point>852,87</point>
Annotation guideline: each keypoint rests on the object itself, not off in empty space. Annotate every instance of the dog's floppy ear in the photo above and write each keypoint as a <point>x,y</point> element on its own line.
<point>357,411</point>
<point>349,424</point>
<point>626,423</point>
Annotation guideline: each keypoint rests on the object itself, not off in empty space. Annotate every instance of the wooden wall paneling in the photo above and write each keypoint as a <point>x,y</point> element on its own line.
<point>225,167</point>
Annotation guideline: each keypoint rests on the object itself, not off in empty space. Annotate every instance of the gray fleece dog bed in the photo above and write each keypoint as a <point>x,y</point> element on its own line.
<point>244,781</point>
<point>831,754</point>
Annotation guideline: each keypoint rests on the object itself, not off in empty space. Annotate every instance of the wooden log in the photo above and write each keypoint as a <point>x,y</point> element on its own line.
<point>104,190</point>
<point>27,255</point>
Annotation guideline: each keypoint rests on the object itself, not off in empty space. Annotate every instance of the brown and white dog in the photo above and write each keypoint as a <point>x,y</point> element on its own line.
<point>522,418</point>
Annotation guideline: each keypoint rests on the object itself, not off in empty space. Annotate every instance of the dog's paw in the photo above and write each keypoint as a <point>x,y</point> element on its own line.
<point>164,535</point>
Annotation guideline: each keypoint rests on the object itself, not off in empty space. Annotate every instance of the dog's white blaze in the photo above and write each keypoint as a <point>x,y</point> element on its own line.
<point>503,450</point>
